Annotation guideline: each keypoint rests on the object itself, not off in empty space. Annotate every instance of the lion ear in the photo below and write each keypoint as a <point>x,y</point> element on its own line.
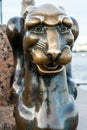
<point>75,28</point>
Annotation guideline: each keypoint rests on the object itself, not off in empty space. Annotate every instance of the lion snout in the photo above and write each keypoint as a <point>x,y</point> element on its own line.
<point>52,56</point>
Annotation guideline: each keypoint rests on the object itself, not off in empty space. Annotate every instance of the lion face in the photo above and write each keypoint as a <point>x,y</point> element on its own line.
<point>49,35</point>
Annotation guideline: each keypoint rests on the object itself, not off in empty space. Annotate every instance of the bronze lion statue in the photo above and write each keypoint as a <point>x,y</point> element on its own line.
<point>42,44</point>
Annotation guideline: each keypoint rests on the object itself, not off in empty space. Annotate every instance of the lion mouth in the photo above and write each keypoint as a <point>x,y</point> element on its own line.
<point>50,68</point>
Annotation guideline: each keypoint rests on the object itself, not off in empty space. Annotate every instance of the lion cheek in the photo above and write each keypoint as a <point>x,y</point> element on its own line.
<point>29,41</point>
<point>65,57</point>
<point>70,39</point>
<point>39,57</point>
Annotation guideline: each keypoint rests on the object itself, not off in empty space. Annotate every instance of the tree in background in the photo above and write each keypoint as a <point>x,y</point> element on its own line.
<point>26,3</point>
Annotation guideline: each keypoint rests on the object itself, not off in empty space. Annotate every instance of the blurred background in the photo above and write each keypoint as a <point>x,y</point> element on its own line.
<point>74,8</point>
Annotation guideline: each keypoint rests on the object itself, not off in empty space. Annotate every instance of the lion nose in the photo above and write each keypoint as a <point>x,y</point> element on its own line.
<point>53,54</point>
<point>53,41</point>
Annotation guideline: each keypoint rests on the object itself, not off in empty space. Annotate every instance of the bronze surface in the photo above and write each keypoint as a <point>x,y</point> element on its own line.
<point>42,44</point>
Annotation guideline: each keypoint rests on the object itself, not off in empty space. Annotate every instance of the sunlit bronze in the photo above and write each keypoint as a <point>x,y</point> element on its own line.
<point>42,42</point>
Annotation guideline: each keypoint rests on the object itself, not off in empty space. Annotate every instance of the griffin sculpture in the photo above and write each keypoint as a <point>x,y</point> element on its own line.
<point>42,44</point>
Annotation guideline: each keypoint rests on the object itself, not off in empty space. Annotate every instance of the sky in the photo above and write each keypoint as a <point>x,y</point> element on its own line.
<point>74,8</point>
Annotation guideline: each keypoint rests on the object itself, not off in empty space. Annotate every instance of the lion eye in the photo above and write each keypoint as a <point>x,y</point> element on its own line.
<point>38,29</point>
<point>63,29</point>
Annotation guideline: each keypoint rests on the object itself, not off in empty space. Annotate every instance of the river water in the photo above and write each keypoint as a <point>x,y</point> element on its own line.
<point>79,68</point>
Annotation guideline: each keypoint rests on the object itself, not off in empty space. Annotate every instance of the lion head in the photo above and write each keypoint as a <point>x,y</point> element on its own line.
<point>49,37</point>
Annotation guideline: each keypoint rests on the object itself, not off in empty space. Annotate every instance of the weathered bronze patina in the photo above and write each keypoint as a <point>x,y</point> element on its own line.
<point>42,43</point>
